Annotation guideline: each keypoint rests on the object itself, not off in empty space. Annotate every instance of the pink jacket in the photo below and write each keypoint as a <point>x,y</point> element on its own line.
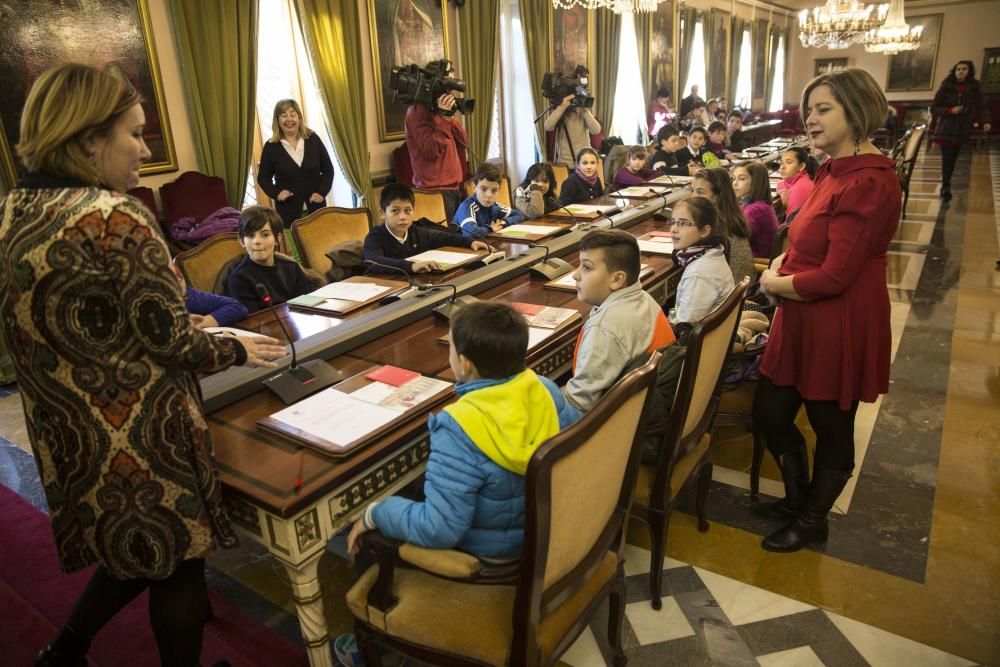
<point>799,187</point>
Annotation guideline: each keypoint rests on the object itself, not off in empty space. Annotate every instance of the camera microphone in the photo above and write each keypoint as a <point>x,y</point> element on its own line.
<point>298,381</point>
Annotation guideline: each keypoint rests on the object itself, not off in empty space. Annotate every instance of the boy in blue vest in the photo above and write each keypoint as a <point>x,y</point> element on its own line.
<point>480,445</point>
<point>481,214</point>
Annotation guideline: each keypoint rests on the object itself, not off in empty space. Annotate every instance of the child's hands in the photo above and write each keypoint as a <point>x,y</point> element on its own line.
<point>480,245</point>
<point>496,226</point>
<point>203,321</point>
<point>357,530</point>
<point>425,267</point>
<point>694,167</point>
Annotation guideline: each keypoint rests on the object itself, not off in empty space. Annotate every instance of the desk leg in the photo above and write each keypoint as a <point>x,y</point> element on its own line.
<point>309,609</point>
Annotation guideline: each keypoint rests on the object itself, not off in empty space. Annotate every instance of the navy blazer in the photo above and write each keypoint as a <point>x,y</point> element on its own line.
<point>278,171</point>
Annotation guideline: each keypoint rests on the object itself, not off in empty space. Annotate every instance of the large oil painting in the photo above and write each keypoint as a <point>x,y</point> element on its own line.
<point>115,35</point>
<point>914,70</point>
<point>661,49</point>
<point>570,39</point>
<point>719,45</point>
<point>403,32</point>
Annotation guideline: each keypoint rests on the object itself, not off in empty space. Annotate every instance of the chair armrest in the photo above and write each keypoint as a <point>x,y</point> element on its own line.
<point>384,552</point>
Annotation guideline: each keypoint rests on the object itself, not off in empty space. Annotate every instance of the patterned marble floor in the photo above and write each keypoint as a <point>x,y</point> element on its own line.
<point>910,573</point>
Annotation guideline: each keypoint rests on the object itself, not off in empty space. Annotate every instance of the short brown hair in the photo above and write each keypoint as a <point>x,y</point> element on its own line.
<point>487,172</point>
<point>493,336</point>
<point>280,108</point>
<point>621,251</point>
<point>67,106</point>
<point>857,91</point>
<point>637,151</point>
<point>255,218</point>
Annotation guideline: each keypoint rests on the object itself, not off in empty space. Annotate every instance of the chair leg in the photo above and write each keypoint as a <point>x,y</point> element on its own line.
<point>616,618</point>
<point>701,499</point>
<point>370,654</point>
<point>755,463</point>
<point>659,540</point>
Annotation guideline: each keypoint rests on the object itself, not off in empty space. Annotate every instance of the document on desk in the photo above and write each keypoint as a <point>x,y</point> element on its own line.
<point>352,291</point>
<point>537,335</point>
<point>442,257</point>
<point>667,179</point>
<point>405,396</point>
<point>334,417</point>
<point>657,245</point>
<point>231,331</point>
<point>527,230</point>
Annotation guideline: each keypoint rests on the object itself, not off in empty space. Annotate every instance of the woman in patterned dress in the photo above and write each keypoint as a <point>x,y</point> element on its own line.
<point>105,356</point>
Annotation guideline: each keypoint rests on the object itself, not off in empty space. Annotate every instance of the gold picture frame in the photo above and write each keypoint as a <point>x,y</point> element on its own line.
<point>558,24</point>
<point>123,28</point>
<point>914,70</point>
<point>425,39</point>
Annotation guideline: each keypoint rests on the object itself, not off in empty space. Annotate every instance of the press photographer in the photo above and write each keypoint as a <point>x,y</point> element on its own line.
<point>570,116</point>
<point>435,139</point>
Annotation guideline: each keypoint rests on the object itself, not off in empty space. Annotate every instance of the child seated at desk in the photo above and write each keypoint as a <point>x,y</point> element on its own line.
<point>259,229</point>
<point>717,140</point>
<point>480,445</point>
<point>625,322</point>
<point>584,183</point>
<point>664,160</point>
<point>734,132</point>
<point>481,213</point>
<point>634,172</point>
<point>537,196</point>
<point>397,238</point>
<point>695,149</point>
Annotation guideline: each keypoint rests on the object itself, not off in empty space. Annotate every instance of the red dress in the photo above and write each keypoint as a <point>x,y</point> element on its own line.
<point>835,345</point>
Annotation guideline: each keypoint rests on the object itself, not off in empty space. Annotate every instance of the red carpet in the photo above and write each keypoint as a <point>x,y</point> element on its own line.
<point>36,598</point>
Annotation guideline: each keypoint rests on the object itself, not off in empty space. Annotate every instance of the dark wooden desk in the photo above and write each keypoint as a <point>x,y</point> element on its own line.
<point>259,470</point>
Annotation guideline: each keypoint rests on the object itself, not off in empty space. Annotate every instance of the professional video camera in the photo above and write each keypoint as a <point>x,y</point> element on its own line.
<point>414,84</point>
<point>556,86</point>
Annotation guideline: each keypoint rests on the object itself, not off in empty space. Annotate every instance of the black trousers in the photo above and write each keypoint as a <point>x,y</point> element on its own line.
<point>774,411</point>
<point>949,156</point>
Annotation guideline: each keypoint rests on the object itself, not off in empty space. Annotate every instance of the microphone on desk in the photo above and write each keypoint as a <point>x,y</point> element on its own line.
<point>607,214</point>
<point>445,310</point>
<point>493,255</point>
<point>299,380</point>
<point>549,268</point>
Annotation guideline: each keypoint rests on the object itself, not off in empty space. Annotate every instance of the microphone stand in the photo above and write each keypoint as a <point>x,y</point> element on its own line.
<point>549,268</point>
<point>396,296</point>
<point>299,380</point>
<point>445,310</point>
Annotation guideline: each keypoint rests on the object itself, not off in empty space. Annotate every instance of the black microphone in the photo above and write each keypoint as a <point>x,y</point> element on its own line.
<point>394,296</point>
<point>302,380</point>
<point>445,310</point>
<point>549,268</point>
<point>607,214</point>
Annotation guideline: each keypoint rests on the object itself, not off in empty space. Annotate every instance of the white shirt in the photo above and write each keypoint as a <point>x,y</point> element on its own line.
<point>401,240</point>
<point>297,152</point>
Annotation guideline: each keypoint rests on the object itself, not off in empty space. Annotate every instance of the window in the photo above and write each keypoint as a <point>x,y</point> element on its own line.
<point>778,85</point>
<point>518,135</point>
<point>744,80</point>
<point>494,151</point>
<point>630,112</point>
<point>285,71</point>
<point>696,68</point>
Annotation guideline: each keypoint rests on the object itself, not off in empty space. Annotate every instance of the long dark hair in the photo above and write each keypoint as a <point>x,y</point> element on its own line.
<point>732,222</point>
<point>545,171</point>
<point>952,80</point>
<point>760,185</point>
<point>804,157</point>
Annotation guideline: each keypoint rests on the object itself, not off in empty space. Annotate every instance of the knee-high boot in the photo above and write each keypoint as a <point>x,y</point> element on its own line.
<point>795,476</point>
<point>810,526</point>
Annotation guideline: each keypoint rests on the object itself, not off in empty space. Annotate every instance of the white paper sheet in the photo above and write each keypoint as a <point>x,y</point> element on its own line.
<point>566,280</point>
<point>667,179</point>
<point>335,416</point>
<point>586,209</point>
<point>656,248</point>
<point>536,335</point>
<point>515,230</point>
<point>351,291</point>
<point>231,331</point>
<point>642,191</point>
<point>443,257</point>
<point>402,398</point>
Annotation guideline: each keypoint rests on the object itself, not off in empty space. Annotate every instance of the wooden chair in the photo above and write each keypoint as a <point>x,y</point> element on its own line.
<point>145,195</point>
<point>193,195</point>
<point>319,231</point>
<point>503,196</point>
<point>429,204</point>
<point>200,265</point>
<point>685,454</point>
<point>452,609</point>
<point>906,163</point>
<point>561,172</point>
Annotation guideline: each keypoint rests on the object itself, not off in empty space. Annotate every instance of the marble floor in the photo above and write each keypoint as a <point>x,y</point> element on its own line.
<point>910,573</point>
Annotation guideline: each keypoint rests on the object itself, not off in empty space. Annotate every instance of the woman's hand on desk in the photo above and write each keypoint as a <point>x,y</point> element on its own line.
<point>261,350</point>
<point>357,530</point>
<point>203,321</point>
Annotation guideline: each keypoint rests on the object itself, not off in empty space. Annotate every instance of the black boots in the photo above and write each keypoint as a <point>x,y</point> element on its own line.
<point>69,649</point>
<point>795,475</point>
<point>810,526</point>
<point>946,193</point>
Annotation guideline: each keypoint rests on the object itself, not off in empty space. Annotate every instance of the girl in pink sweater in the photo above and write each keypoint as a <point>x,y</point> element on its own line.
<point>797,169</point>
<point>753,189</point>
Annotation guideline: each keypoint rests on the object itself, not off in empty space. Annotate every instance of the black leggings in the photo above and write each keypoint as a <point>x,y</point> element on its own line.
<point>178,609</point>
<point>949,156</point>
<point>774,411</point>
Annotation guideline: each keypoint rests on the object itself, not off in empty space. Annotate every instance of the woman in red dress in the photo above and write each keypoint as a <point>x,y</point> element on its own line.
<point>830,341</point>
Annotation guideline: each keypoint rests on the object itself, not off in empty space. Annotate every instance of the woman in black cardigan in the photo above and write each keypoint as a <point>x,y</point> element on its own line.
<point>958,106</point>
<point>295,169</point>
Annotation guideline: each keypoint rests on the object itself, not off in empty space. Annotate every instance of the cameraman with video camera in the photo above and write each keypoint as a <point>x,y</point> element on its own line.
<point>436,140</point>
<point>570,116</point>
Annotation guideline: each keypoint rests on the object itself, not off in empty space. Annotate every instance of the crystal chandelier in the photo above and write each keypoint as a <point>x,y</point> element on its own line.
<point>895,35</point>
<point>586,4</point>
<point>837,25</point>
<point>634,6</point>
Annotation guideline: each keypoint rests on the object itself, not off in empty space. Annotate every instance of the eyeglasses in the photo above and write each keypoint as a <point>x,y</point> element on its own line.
<point>681,222</point>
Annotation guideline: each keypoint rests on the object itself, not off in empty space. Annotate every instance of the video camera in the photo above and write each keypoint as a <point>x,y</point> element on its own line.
<point>556,87</point>
<point>412,84</point>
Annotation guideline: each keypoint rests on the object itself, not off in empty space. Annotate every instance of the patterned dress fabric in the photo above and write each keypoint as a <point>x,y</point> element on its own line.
<point>105,356</point>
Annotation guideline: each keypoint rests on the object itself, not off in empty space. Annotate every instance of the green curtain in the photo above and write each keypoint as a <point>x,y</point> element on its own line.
<point>758,45</point>
<point>772,65</point>
<point>688,18</point>
<point>738,26</point>
<point>608,34</point>
<point>644,37</point>
<point>709,21</point>
<point>217,44</point>
<point>332,31</point>
<point>479,29</point>
<point>536,24</point>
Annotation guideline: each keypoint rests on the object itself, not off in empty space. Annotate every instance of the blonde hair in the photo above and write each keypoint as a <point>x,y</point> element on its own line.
<point>280,108</point>
<point>857,91</point>
<point>66,107</point>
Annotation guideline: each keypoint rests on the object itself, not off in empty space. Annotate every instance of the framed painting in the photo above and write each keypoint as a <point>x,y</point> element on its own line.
<point>572,35</point>
<point>661,49</point>
<point>990,74</point>
<point>403,32</point>
<point>718,66</point>
<point>115,35</point>
<point>829,65</point>
<point>914,70</point>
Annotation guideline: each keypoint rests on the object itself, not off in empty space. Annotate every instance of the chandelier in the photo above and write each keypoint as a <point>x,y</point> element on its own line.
<point>634,6</point>
<point>586,4</point>
<point>895,35</point>
<point>837,25</point>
